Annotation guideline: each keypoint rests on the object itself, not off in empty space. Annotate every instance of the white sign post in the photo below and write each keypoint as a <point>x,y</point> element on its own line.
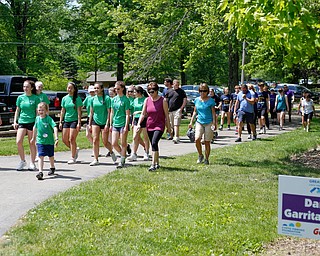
<point>299,207</point>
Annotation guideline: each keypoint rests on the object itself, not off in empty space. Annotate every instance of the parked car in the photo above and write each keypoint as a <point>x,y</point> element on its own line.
<point>6,116</point>
<point>298,90</point>
<point>191,96</point>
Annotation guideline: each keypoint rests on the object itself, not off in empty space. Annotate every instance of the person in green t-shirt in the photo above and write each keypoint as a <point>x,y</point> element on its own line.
<point>120,119</point>
<point>87,105</point>
<point>99,122</point>
<point>23,122</point>
<point>43,131</point>
<point>137,109</point>
<point>71,105</point>
<point>42,96</point>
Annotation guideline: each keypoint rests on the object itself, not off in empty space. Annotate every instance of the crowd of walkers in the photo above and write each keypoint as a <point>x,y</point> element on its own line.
<point>149,114</point>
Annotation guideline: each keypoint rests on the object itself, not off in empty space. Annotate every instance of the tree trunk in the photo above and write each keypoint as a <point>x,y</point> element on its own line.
<point>120,58</point>
<point>20,15</point>
<point>233,63</point>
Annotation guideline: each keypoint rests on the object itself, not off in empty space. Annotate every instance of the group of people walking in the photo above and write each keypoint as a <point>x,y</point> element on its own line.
<point>148,114</point>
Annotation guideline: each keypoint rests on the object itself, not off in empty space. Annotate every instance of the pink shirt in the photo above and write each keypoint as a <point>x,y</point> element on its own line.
<point>156,118</point>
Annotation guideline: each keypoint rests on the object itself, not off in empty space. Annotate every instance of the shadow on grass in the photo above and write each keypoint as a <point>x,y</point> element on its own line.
<point>164,168</point>
<point>279,167</point>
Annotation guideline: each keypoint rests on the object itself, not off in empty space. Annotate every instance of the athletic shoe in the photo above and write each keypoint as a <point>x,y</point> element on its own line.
<point>238,139</point>
<point>261,131</point>
<point>133,157</point>
<point>200,159</point>
<point>175,140</point>
<point>229,128</point>
<point>146,156</point>
<point>249,137</point>
<point>94,162</point>
<point>52,170</point>
<point>206,161</point>
<point>254,137</point>
<point>77,153</point>
<point>157,166</point>
<point>108,154</point>
<point>152,168</point>
<point>32,167</point>
<point>170,138</point>
<point>39,176</point>
<point>129,149</point>
<point>72,161</point>
<point>120,165</point>
<point>114,157</point>
<point>221,127</point>
<point>21,165</point>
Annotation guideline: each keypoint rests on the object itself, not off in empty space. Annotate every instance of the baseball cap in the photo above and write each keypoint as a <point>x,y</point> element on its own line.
<point>91,88</point>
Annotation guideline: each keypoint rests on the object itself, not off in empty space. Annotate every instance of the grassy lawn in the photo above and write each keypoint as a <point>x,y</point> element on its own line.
<point>226,208</point>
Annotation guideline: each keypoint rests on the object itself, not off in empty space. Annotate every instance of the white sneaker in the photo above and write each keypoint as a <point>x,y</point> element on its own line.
<point>132,158</point>
<point>146,156</point>
<point>21,165</point>
<point>261,131</point>
<point>32,167</point>
<point>175,140</point>
<point>77,153</point>
<point>94,162</point>
<point>72,161</point>
<point>113,157</point>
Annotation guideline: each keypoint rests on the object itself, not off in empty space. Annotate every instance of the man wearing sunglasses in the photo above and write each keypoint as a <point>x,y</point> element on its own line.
<point>177,99</point>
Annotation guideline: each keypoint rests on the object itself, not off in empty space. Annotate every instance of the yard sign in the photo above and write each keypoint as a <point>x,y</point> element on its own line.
<point>299,207</point>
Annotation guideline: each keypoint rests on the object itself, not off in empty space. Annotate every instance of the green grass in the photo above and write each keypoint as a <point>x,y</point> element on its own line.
<point>227,208</point>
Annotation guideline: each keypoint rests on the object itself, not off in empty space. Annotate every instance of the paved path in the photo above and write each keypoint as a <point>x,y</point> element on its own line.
<point>21,191</point>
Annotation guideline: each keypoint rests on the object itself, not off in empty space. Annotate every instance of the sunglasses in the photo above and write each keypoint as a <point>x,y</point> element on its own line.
<point>151,91</point>
<point>117,89</point>
<point>130,91</point>
<point>203,90</point>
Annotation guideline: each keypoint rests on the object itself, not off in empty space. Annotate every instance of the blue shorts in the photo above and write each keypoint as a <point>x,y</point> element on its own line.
<point>118,129</point>
<point>45,150</point>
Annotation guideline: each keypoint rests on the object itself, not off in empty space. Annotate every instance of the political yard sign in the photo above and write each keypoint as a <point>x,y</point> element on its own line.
<point>299,207</point>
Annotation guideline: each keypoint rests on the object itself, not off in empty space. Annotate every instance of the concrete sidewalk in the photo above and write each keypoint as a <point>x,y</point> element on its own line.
<point>21,191</point>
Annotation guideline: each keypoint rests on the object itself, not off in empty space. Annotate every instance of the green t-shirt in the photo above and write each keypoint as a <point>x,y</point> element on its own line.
<point>87,103</point>
<point>100,109</point>
<point>44,98</point>
<point>119,106</point>
<point>71,114</point>
<point>45,130</point>
<point>28,108</point>
<point>131,99</point>
<point>138,105</point>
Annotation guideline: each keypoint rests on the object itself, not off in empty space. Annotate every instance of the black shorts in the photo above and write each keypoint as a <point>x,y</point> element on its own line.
<point>225,109</point>
<point>143,124</point>
<point>72,125</point>
<point>308,116</point>
<point>28,126</point>
<point>101,126</point>
<point>261,112</point>
<point>245,117</point>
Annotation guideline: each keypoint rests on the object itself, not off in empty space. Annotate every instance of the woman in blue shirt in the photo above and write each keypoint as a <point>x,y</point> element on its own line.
<point>204,109</point>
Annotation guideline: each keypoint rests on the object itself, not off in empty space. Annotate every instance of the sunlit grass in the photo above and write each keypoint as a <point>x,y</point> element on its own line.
<point>226,208</point>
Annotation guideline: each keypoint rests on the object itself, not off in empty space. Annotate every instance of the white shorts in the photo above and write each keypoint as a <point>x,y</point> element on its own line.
<point>204,129</point>
<point>175,117</point>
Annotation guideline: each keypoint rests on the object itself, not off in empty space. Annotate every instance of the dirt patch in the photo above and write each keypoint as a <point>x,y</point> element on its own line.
<point>310,159</point>
<point>291,245</point>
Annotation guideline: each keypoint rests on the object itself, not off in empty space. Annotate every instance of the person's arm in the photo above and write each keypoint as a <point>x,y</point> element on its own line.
<point>34,134</point>
<point>126,127</point>
<point>16,117</point>
<point>236,105</point>
<point>56,136</point>
<point>62,113</point>
<point>275,104</point>
<point>183,104</point>
<point>213,110</point>
<point>143,114</point>
<point>166,113</point>
<point>268,103</point>
<point>90,118</point>
<point>79,110</point>
<point>287,103</point>
<point>192,117</point>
